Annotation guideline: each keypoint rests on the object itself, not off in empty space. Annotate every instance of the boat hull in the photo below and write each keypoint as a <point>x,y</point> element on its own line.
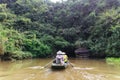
<point>59,66</point>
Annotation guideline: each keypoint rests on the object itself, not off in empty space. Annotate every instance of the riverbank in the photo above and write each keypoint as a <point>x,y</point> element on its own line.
<point>113,60</point>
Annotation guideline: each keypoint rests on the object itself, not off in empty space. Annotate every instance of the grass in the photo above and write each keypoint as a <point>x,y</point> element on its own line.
<point>113,60</point>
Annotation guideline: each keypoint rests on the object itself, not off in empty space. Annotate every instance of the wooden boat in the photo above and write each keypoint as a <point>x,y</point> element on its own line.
<point>59,66</point>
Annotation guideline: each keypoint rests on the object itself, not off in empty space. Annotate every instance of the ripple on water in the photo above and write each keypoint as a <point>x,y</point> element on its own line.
<point>86,68</point>
<point>36,67</point>
<point>117,76</point>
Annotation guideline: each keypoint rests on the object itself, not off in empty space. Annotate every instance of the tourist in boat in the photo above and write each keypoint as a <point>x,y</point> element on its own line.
<point>59,58</point>
<point>65,57</point>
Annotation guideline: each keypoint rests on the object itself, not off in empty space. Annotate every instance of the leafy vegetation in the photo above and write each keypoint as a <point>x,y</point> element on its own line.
<point>17,45</point>
<point>113,61</point>
<point>38,28</point>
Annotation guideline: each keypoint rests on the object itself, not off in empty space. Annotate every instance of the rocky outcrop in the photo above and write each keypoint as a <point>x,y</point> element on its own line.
<point>82,53</point>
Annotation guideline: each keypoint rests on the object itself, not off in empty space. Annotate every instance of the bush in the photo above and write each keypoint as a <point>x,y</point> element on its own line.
<point>21,55</point>
<point>37,48</point>
<point>60,43</point>
<point>22,23</point>
<point>111,60</point>
<point>48,40</point>
<point>3,16</point>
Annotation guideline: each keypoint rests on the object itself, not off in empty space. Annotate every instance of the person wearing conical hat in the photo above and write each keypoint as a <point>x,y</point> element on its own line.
<point>59,58</point>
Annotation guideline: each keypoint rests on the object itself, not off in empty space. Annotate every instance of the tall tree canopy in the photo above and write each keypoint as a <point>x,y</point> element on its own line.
<point>66,25</point>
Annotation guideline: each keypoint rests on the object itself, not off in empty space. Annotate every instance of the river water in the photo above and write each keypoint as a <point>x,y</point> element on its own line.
<point>83,69</point>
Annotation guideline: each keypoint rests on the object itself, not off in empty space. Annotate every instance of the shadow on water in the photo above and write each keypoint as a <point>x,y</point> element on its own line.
<point>57,70</point>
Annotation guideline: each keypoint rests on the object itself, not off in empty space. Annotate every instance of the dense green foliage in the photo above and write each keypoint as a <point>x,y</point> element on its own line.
<point>17,45</point>
<point>41,27</point>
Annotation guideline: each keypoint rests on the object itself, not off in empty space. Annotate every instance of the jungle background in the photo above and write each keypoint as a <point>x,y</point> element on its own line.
<point>39,28</point>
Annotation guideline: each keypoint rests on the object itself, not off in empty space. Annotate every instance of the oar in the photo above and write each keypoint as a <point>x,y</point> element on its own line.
<point>48,63</point>
<point>74,67</point>
<point>71,64</point>
<point>40,67</point>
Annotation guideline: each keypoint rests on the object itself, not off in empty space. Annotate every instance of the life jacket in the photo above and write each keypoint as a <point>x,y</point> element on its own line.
<point>65,58</point>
